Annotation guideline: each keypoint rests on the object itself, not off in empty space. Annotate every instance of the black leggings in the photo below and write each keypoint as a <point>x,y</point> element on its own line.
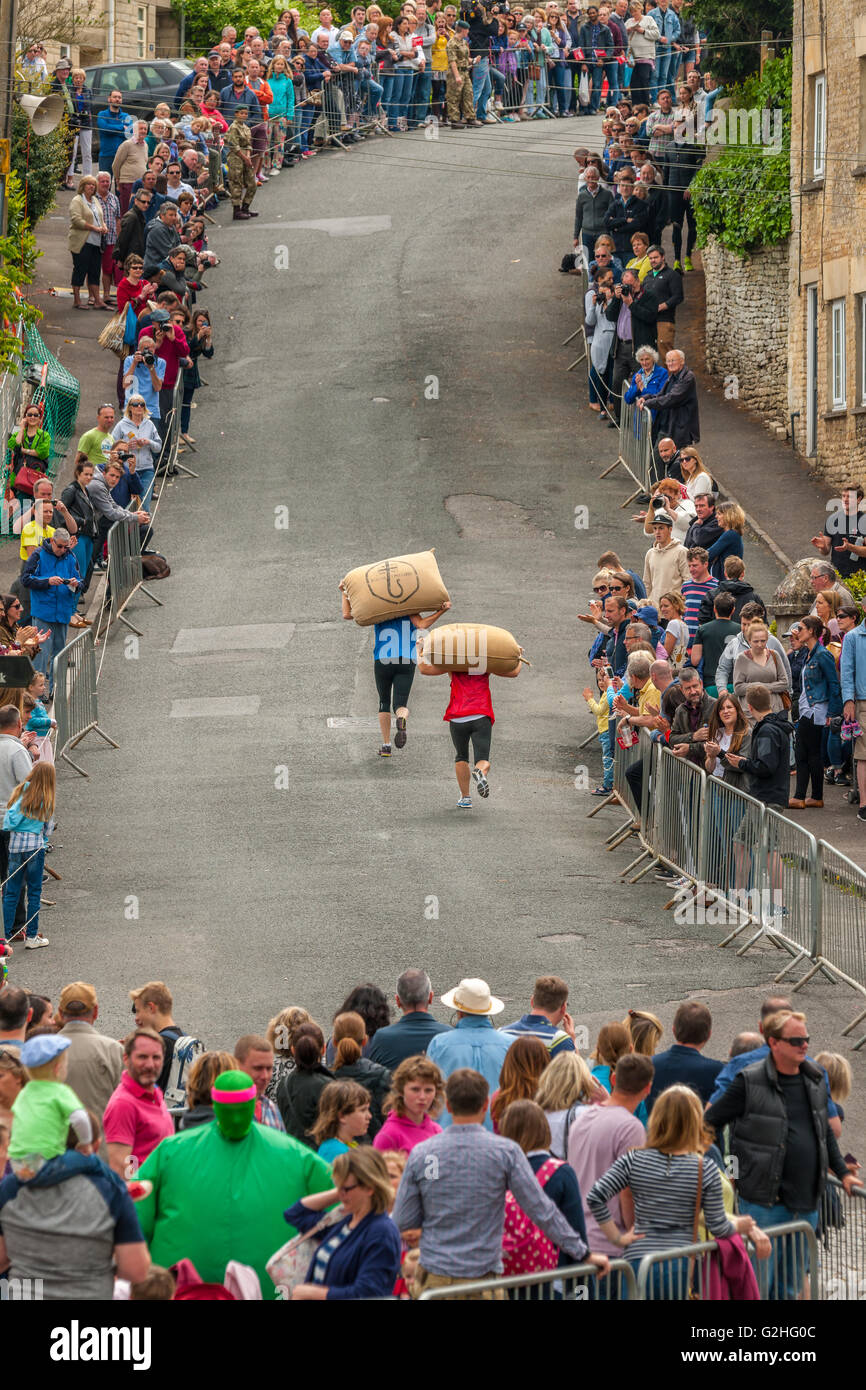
<point>678,208</point>
<point>479,731</point>
<point>393,680</point>
<point>810,763</point>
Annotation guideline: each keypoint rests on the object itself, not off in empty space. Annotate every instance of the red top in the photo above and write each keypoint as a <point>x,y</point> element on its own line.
<point>470,696</point>
<point>136,295</point>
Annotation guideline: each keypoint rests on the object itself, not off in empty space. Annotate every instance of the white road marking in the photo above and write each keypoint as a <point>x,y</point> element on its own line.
<point>228,640</point>
<point>216,707</point>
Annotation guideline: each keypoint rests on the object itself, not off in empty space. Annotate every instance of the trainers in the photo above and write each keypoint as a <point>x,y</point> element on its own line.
<point>385,750</point>
<point>481,782</point>
<point>665,876</point>
<point>861,814</point>
<point>678,265</point>
<point>273,173</point>
<point>687,265</point>
<point>400,736</point>
<point>465,803</point>
<point>602,791</point>
<point>34,942</point>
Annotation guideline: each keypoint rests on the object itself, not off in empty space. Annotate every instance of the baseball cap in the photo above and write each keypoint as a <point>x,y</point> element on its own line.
<point>160,316</point>
<point>77,998</point>
<point>662,519</point>
<point>37,1051</point>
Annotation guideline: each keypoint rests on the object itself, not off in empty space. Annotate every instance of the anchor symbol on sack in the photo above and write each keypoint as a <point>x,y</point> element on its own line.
<point>393,581</point>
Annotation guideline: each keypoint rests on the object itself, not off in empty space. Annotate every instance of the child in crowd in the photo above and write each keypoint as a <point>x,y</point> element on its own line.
<point>45,1109</point>
<point>602,708</point>
<point>417,1094</point>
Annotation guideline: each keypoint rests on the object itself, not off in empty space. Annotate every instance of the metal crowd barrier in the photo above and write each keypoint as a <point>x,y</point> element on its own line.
<point>572,1283</point>
<point>733,824</point>
<point>125,576</point>
<point>679,796</point>
<point>635,449</point>
<point>75,697</point>
<point>842,1243</point>
<point>841,946</point>
<point>781,1277</point>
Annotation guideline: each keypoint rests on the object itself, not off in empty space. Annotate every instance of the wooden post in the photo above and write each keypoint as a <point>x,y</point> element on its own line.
<point>768,51</point>
<point>8,54</point>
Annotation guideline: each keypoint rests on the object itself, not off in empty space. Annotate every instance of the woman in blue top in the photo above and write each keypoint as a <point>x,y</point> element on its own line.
<point>359,1257</point>
<point>732,519</point>
<point>394,662</point>
<point>29,813</point>
<point>343,1118</point>
<point>820,700</point>
<point>281,112</point>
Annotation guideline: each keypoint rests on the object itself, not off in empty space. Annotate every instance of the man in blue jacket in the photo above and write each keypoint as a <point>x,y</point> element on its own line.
<point>853,673</point>
<point>114,125</point>
<point>53,578</point>
<point>683,1064</point>
<point>667,59</point>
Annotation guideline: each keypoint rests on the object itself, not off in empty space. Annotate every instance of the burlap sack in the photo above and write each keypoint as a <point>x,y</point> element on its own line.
<point>474,647</point>
<point>393,588</point>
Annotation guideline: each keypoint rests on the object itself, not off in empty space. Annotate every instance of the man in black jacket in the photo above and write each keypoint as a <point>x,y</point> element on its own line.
<point>596,40</point>
<point>675,408</point>
<point>589,212</point>
<point>782,1140</point>
<point>666,286</point>
<point>735,584</point>
<point>689,730</point>
<point>625,216</point>
<point>705,529</point>
<point>130,235</point>
<point>768,765</point>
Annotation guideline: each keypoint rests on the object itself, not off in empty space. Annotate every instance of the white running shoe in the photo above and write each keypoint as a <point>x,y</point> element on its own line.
<point>34,942</point>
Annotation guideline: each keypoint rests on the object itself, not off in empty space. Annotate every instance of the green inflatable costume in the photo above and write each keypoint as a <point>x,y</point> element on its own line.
<point>220,1190</point>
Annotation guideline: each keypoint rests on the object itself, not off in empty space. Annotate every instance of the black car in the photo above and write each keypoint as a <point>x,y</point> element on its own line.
<point>143,85</point>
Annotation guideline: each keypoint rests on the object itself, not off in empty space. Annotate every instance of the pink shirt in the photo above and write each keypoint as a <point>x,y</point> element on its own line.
<point>598,1135</point>
<point>136,1117</point>
<point>399,1132</point>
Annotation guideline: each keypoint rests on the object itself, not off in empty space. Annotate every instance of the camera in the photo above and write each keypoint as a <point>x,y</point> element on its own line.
<point>124,454</point>
<point>148,358</point>
<point>835,724</point>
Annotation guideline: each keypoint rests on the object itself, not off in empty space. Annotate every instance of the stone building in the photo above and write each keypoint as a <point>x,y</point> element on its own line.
<point>827,249</point>
<point>124,31</point>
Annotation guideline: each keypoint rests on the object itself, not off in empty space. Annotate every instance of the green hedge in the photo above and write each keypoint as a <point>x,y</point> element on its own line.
<point>743,197</point>
<point>206,19</point>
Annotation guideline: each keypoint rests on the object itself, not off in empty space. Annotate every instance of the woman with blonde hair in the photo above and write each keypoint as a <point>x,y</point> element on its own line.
<point>86,230</point>
<point>645,1031</point>
<point>280,1033</point>
<point>417,1094</point>
<point>674,645</point>
<point>524,1065</point>
<point>759,665</point>
<point>696,479</point>
<point>343,1118</point>
<point>359,1256</point>
<point>202,1075</point>
<point>566,1084</point>
<point>29,816</point>
<point>136,427</point>
<point>732,519</point>
<point>671,1182</point>
<point>349,1039</point>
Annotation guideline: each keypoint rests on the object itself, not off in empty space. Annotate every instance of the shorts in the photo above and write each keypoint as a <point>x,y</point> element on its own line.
<point>393,682</point>
<point>860,743</point>
<point>479,731</point>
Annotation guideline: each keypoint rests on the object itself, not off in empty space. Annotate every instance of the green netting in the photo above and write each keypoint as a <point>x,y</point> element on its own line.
<point>58,389</point>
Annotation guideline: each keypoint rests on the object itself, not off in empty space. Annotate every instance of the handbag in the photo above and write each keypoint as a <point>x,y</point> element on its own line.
<point>113,334</point>
<point>26,477</point>
<point>695,1295</point>
<point>783,694</point>
<point>533,72</point>
<point>288,1266</point>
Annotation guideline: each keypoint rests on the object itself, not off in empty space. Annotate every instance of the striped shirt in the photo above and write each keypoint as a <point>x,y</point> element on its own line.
<point>665,1189</point>
<point>693,594</point>
<point>454,1186</point>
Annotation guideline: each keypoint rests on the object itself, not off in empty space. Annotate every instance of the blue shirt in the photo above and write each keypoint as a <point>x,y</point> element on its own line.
<point>395,641</point>
<point>745,1059</point>
<point>684,1066</point>
<point>556,1040</point>
<point>410,1035</point>
<point>853,664</point>
<point>472,1042</point>
<point>142,383</point>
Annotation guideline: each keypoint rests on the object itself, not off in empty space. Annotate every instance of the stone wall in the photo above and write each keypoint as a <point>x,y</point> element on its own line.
<point>747,326</point>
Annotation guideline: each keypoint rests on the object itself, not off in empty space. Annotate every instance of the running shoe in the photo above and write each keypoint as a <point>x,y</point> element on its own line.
<point>678,265</point>
<point>481,782</point>
<point>385,750</point>
<point>465,803</point>
<point>861,815</point>
<point>400,736</point>
<point>602,791</point>
<point>34,942</point>
<point>687,265</point>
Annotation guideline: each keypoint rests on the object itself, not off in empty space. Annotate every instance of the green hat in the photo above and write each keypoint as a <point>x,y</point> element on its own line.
<point>234,1097</point>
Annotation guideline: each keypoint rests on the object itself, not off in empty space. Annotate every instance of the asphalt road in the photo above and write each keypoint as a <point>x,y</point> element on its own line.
<point>389,369</point>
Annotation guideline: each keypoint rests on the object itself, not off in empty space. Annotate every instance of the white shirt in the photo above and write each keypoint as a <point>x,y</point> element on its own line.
<point>697,487</point>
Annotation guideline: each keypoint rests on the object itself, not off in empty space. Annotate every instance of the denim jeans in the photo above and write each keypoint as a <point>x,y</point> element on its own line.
<point>304,121</point>
<point>558,78</point>
<point>665,61</point>
<point>23,867</point>
<point>52,646</point>
<point>371,95</point>
<point>612,71</point>
<point>607,759</point>
<point>420,99</point>
<point>401,95</point>
<point>789,1260</point>
<point>596,77</point>
<point>481,87</point>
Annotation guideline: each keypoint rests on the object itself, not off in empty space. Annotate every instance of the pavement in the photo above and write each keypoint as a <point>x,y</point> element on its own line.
<point>388,376</point>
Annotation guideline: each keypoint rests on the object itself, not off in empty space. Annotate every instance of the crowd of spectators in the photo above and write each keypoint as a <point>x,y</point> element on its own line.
<point>541,1156</point>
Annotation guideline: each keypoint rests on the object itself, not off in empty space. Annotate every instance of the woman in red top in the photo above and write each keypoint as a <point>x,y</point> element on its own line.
<point>470,718</point>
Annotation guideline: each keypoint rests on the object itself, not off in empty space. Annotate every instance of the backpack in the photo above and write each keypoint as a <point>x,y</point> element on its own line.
<point>525,1248</point>
<point>184,1053</point>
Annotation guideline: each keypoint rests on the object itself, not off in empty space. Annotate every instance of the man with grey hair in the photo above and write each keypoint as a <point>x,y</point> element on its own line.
<point>414,1031</point>
<point>53,578</point>
<point>823,579</point>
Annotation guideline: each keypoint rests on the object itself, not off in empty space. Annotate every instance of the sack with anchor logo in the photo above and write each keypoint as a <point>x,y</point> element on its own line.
<point>393,588</point>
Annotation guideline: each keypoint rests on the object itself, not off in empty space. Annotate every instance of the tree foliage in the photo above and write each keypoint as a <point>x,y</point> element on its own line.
<point>730,22</point>
<point>205,19</point>
<point>40,161</point>
<point>18,254</point>
<point>744,198</point>
<point>51,21</point>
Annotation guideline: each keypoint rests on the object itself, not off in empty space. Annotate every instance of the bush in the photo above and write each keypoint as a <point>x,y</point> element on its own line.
<point>735,25</point>
<point>40,162</point>
<point>19,255</point>
<point>743,198</point>
<point>205,21</point>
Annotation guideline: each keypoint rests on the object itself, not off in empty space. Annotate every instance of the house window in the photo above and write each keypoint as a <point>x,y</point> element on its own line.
<point>861,350</point>
<point>819,125</point>
<point>141,27</point>
<point>65,51</point>
<point>837,354</point>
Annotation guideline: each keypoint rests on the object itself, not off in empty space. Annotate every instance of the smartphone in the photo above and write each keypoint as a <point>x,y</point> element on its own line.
<point>608,671</point>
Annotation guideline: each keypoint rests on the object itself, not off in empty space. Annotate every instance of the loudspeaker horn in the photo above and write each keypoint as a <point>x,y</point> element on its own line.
<point>43,113</point>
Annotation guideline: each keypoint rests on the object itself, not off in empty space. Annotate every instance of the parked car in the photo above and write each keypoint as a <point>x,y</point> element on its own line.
<point>143,85</point>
